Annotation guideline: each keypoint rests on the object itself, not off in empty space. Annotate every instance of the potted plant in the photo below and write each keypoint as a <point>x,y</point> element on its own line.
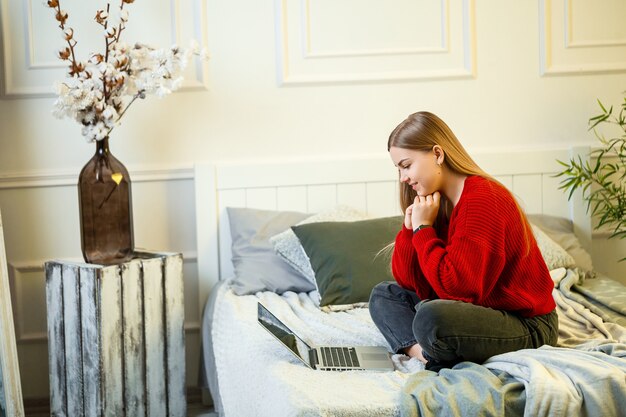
<point>603,182</point>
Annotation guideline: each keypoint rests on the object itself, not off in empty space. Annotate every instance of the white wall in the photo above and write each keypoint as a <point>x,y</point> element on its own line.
<point>503,73</point>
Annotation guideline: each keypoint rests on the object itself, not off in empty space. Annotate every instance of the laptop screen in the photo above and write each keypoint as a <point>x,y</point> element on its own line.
<point>283,334</point>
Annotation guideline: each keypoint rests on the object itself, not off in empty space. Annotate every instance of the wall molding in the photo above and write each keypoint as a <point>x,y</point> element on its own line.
<point>577,64</point>
<point>64,178</point>
<point>569,33</point>
<point>37,266</point>
<point>306,34</point>
<point>187,17</point>
<point>31,62</point>
<point>403,71</point>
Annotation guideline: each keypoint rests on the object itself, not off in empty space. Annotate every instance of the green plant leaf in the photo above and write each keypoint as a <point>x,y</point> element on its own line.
<point>601,176</point>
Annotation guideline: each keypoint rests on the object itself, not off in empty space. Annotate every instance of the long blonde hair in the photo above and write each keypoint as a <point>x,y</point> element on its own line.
<point>421,131</point>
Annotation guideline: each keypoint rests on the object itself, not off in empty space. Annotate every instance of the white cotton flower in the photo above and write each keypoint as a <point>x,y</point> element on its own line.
<point>60,88</point>
<point>121,47</point>
<point>177,83</point>
<point>59,110</point>
<point>83,85</point>
<point>162,91</point>
<point>76,93</point>
<point>86,132</point>
<point>99,106</point>
<point>100,131</point>
<point>181,65</point>
<point>161,72</point>
<point>68,34</point>
<point>109,113</point>
<point>131,88</point>
<point>85,103</point>
<point>132,71</point>
<point>159,55</point>
<point>88,117</point>
<point>102,67</point>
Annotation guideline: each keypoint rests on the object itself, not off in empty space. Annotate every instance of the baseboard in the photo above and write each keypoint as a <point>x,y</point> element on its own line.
<point>37,406</point>
<point>194,395</point>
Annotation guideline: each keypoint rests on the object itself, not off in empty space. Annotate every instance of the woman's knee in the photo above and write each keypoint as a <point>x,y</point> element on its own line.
<point>431,317</point>
<point>380,294</point>
<point>388,299</point>
<point>382,288</point>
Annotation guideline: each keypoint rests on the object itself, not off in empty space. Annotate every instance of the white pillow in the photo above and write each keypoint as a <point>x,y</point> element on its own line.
<point>553,254</point>
<point>287,245</point>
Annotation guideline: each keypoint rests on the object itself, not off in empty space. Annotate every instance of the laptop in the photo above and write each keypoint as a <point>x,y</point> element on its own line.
<point>326,358</point>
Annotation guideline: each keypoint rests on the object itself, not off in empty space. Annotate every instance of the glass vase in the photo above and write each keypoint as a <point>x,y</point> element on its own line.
<point>106,214</point>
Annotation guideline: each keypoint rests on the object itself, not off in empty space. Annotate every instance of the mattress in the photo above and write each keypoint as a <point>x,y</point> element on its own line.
<point>233,340</point>
<point>250,374</point>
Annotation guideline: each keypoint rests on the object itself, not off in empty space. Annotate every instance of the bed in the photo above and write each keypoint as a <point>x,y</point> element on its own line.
<point>249,374</point>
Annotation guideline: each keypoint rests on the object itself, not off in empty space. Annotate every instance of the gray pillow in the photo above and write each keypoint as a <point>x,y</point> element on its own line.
<point>348,257</point>
<point>561,230</point>
<point>257,267</point>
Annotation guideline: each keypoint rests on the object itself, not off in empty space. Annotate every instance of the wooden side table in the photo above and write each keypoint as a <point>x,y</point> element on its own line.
<point>116,342</point>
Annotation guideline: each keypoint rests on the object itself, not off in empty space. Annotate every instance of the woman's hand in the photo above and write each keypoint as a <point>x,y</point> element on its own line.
<point>424,210</point>
<point>407,217</point>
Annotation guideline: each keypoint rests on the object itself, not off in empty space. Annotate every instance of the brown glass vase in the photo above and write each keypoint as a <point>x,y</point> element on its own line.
<point>106,214</point>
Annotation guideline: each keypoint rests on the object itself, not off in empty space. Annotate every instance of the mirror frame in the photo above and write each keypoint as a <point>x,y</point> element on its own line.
<point>10,374</point>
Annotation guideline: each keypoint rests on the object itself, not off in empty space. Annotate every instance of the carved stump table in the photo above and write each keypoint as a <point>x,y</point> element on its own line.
<point>116,342</point>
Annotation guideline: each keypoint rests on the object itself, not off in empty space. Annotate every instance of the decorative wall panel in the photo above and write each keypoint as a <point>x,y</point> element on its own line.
<point>31,39</point>
<point>322,41</point>
<point>29,301</point>
<point>580,37</point>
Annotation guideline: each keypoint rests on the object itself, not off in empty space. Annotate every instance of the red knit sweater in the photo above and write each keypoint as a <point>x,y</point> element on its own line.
<point>481,257</point>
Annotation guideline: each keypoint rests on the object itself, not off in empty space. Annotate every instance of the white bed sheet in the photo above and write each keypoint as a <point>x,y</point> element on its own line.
<point>274,383</point>
<point>258,377</point>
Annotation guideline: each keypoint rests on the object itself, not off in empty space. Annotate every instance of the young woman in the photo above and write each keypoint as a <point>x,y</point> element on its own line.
<point>470,280</point>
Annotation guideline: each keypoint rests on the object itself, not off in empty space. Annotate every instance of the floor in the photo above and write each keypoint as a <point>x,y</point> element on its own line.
<point>200,411</point>
<point>41,407</point>
<point>193,410</point>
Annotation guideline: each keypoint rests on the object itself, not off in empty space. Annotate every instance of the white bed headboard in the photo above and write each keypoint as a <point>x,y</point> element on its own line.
<point>366,183</point>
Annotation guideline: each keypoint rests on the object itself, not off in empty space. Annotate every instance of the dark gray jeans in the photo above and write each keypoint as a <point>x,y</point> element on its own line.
<point>450,331</point>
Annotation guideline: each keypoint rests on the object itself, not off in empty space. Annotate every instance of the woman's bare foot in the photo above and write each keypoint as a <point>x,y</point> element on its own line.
<point>415,351</point>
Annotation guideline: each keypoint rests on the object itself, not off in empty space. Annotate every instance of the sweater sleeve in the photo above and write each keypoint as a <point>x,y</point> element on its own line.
<point>468,266</point>
<point>406,268</point>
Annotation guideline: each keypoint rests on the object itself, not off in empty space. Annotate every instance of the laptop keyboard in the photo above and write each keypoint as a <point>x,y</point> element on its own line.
<point>341,357</point>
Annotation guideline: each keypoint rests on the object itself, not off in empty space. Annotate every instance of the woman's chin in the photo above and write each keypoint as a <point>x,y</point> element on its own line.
<point>424,193</point>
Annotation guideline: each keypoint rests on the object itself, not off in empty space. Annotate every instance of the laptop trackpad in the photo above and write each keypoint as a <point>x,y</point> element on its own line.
<point>375,356</point>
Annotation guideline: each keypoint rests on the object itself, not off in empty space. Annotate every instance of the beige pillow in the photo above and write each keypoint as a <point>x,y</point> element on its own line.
<point>561,231</point>
<point>554,255</point>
